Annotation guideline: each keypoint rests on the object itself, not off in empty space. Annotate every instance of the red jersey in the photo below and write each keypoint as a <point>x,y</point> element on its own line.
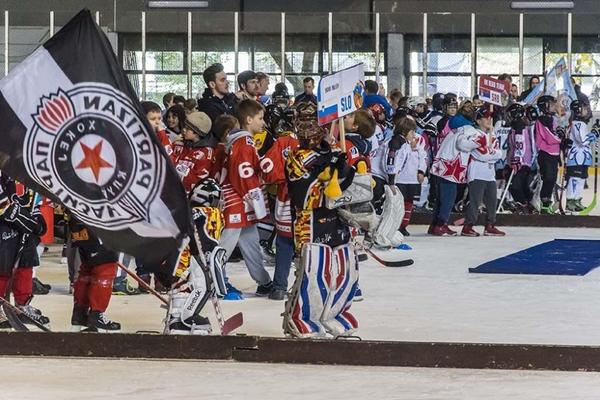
<point>242,195</point>
<point>273,168</point>
<point>163,139</point>
<point>194,163</point>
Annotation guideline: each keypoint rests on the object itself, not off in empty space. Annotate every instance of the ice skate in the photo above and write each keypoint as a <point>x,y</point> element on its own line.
<point>79,318</point>
<point>33,313</point>
<point>97,322</point>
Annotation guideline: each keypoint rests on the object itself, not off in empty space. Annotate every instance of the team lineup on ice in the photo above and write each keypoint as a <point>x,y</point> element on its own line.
<point>339,216</point>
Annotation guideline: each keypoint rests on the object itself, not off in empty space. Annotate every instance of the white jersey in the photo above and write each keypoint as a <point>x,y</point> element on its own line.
<point>501,132</point>
<point>379,154</point>
<point>409,162</point>
<point>580,153</point>
<point>483,158</point>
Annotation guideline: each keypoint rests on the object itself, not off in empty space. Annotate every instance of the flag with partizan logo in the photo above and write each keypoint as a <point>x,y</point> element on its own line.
<point>72,129</point>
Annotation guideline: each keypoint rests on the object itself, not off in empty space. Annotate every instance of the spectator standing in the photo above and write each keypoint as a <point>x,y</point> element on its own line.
<point>216,98</point>
<point>307,96</point>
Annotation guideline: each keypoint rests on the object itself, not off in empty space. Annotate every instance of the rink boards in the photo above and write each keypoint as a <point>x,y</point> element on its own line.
<point>295,351</point>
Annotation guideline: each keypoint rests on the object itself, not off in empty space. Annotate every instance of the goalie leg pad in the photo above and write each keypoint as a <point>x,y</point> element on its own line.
<point>360,216</point>
<point>386,234</point>
<point>216,262</point>
<point>304,308</point>
<point>180,304</point>
<point>343,282</point>
<point>199,284</point>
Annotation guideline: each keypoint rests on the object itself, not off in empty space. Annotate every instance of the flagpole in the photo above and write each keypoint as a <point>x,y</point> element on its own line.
<point>51,23</point>
<point>143,94</point>
<point>6,43</point>
<point>189,55</point>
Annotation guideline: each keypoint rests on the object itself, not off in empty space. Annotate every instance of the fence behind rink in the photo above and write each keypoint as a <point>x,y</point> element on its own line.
<point>166,50</point>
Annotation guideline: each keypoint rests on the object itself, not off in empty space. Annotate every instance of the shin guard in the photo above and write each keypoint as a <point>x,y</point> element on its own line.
<point>81,287</point>
<point>4,285</point>
<point>100,288</point>
<point>304,307</point>
<point>408,207</point>
<point>386,234</point>
<point>343,282</point>
<point>22,285</point>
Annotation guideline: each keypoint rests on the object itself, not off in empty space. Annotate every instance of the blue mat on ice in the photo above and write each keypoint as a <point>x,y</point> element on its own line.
<point>558,257</point>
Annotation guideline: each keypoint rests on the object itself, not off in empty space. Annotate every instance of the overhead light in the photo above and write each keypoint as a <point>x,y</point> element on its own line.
<point>542,4</point>
<point>177,4</point>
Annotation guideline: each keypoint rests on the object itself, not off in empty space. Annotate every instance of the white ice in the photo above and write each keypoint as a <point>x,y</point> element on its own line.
<point>89,379</point>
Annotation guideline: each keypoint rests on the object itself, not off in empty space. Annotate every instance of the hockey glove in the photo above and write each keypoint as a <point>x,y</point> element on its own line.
<point>596,129</point>
<point>338,160</point>
<point>566,143</point>
<point>21,220</point>
<point>515,164</point>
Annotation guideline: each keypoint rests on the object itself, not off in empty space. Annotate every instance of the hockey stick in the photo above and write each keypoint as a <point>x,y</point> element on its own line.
<point>142,283</point>
<point>510,178</point>
<point>226,325</point>
<point>588,209</point>
<point>13,319</point>
<point>392,264</point>
<point>15,310</point>
<point>563,181</point>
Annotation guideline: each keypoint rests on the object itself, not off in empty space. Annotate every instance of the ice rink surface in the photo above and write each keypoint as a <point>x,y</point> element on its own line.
<point>436,299</point>
<point>66,379</point>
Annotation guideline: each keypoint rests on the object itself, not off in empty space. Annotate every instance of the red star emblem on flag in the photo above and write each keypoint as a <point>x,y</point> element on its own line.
<point>92,159</point>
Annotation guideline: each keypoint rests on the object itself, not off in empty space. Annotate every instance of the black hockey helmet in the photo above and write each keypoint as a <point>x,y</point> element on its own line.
<point>450,101</point>
<point>437,101</point>
<point>482,112</point>
<point>279,119</point>
<point>577,109</point>
<point>273,115</point>
<point>531,112</point>
<point>544,103</point>
<point>515,112</point>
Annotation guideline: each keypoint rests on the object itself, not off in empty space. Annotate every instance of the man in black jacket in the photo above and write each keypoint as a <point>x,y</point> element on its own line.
<point>216,99</point>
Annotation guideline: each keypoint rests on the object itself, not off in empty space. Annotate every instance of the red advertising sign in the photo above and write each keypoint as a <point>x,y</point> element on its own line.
<point>492,90</point>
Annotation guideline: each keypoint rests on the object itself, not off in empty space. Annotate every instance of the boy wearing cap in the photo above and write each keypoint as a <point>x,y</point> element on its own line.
<point>195,155</point>
<point>481,174</point>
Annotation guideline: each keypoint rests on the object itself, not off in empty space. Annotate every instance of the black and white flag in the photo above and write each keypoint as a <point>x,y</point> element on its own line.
<point>72,129</point>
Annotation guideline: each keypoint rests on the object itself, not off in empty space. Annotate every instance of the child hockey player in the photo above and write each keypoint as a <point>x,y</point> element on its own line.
<point>548,138</point>
<point>450,168</point>
<point>242,194</point>
<point>520,158</point>
<point>198,280</point>
<point>21,225</point>
<point>360,127</point>
<point>579,155</point>
<point>410,163</point>
<point>152,111</point>
<point>273,166</point>
<point>481,173</point>
<point>93,287</point>
<point>174,119</point>
<point>327,272</point>
<point>195,157</point>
